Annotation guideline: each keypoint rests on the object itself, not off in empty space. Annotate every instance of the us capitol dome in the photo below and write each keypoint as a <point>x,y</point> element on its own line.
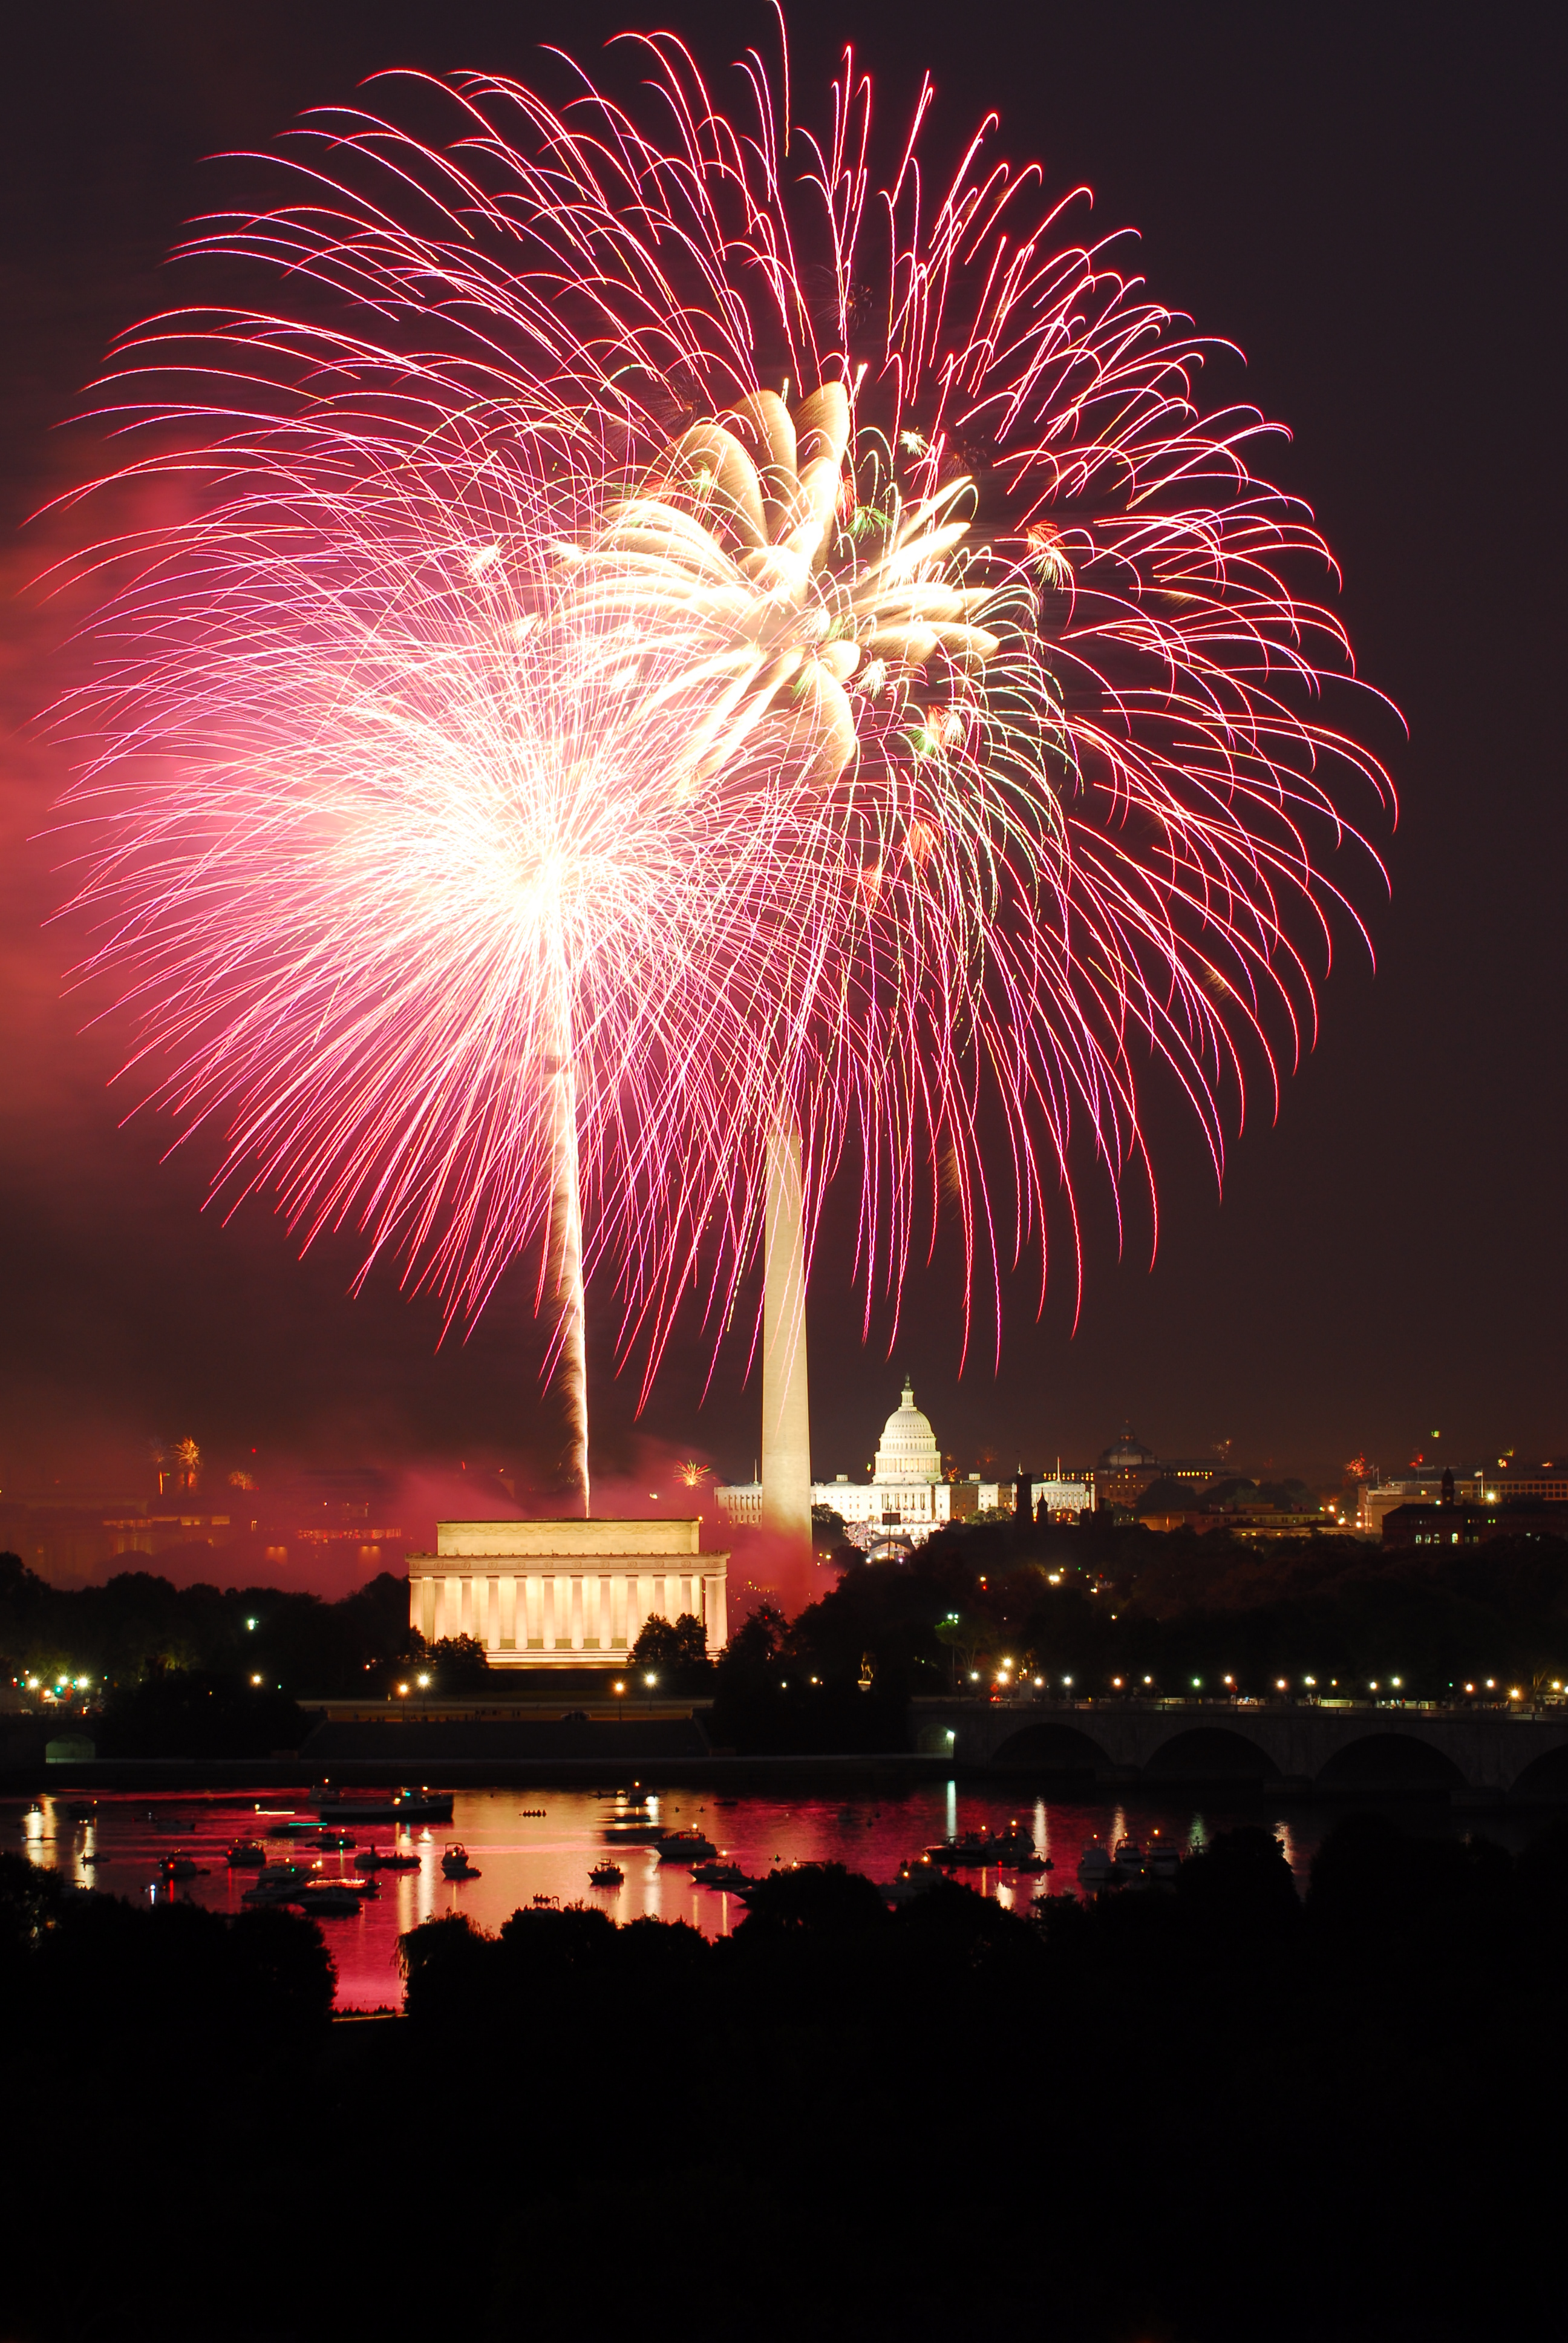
<point>908,1450</point>
<point>907,1493</point>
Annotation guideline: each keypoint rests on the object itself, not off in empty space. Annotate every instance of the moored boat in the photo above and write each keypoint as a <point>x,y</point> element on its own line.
<point>605,1875</point>
<point>914,1878</point>
<point>326,1899</point>
<point>973,1848</point>
<point>1163,1860</point>
<point>1095,1868</point>
<point>392,1858</point>
<point>248,1855</point>
<point>332,1842</point>
<point>685,1846</point>
<point>278,1882</point>
<point>719,1874</point>
<point>182,1866</point>
<point>455,1862</point>
<point>1127,1860</point>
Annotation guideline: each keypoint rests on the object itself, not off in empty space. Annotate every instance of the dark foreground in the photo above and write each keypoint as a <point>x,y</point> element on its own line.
<point>1200,2115</point>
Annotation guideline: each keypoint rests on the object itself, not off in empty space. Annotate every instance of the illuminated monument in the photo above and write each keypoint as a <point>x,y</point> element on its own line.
<point>907,1493</point>
<point>566,1593</point>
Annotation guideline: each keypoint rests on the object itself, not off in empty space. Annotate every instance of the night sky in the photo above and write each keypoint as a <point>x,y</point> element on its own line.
<point>1368,201</point>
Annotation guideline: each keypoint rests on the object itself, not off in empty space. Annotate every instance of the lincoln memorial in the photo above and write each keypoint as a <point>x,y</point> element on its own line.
<point>564,1593</point>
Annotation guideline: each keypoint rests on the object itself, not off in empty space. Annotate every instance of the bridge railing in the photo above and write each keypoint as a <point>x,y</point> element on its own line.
<point>1229,1703</point>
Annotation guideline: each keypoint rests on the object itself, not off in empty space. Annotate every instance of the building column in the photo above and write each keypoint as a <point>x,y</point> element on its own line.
<point>508,1588</point>
<point>547,1611</point>
<point>576,1612</point>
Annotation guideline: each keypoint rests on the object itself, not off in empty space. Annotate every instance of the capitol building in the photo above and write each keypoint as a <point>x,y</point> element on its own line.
<point>907,1493</point>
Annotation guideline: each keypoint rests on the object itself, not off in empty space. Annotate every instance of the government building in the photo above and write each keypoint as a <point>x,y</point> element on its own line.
<point>907,1493</point>
<point>574,1593</point>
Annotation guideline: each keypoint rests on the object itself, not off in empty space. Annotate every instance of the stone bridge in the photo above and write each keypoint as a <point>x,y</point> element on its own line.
<point>1335,1746</point>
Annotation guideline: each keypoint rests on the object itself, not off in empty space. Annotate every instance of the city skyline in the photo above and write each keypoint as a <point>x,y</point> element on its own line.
<point>1375,1269</point>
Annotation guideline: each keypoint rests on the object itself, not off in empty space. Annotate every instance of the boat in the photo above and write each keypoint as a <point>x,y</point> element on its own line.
<point>392,1858</point>
<point>914,1878</point>
<point>182,1866</point>
<point>327,1898</point>
<point>543,1903</point>
<point>605,1875</point>
<point>954,1854</point>
<point>401,1807</point>
<point>278,1882</point>
<point>1127,1859</point>
<point>1095,1868</point>
<point>719,1874</point>
<point>685,1846</point>
<point>1031,1862</point>
<point>1008,1845</point>
<point>248,1855</point>
<point>332,1842</point>
<point>455,1862</point>
<point>1163,1860</point>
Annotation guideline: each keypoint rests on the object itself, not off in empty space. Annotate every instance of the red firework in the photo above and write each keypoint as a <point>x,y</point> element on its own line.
<point>682,637</point>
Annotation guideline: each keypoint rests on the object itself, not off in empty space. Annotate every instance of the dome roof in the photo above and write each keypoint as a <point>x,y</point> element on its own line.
<point>908,1450</point>
<point>1126,1451</point>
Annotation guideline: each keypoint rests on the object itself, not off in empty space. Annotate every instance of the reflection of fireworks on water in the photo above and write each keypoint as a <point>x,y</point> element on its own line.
<point>686,643</point>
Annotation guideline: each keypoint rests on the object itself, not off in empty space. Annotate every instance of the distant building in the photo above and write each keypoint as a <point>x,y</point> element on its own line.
<point>157,1533</point>
<point>1416,1524</point>
<point>906,1494</point>
<point>566,1594</point>
<point>1126,1469</point>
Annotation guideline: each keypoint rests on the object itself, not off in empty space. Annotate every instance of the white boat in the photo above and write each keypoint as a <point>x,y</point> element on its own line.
<point>1095,1867</point>
<point>1127,1861</point>
<point>685,1846</point>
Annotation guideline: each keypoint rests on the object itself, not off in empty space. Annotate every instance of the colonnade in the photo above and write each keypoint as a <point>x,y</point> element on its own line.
<point>537,1612</point>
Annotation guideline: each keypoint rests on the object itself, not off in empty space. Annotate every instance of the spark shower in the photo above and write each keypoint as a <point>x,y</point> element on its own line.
<point>676,655</point>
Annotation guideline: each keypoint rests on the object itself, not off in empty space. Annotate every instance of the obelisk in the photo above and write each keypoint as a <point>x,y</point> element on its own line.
<point>786,1412</point>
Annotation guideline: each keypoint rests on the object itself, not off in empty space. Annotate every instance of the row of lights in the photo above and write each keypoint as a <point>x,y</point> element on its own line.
<point>1282,1683</point>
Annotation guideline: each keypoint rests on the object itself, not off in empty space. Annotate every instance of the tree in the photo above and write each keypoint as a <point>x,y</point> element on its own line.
<point>677,1653</point>
<point>457,1664</point>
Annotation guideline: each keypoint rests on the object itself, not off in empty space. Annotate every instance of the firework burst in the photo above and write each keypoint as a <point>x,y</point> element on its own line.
<point>680,640</point>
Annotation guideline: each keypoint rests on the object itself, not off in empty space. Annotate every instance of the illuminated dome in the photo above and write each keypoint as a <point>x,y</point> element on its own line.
<point>908,1450</point>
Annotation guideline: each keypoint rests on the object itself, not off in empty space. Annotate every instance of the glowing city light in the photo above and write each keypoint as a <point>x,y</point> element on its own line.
<point>602,700</point>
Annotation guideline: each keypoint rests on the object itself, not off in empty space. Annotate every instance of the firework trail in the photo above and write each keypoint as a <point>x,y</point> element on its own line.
<point>681,647</point>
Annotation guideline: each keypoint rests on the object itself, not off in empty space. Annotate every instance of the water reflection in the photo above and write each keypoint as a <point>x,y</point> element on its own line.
<point>522,1854</point>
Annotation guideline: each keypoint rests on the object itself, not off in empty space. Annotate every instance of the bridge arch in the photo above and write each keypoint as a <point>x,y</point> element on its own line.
<point>1210,1753</point>
<point>1053,1748</point>
<point>1546,1776</point>
<point>1405,1760</point>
